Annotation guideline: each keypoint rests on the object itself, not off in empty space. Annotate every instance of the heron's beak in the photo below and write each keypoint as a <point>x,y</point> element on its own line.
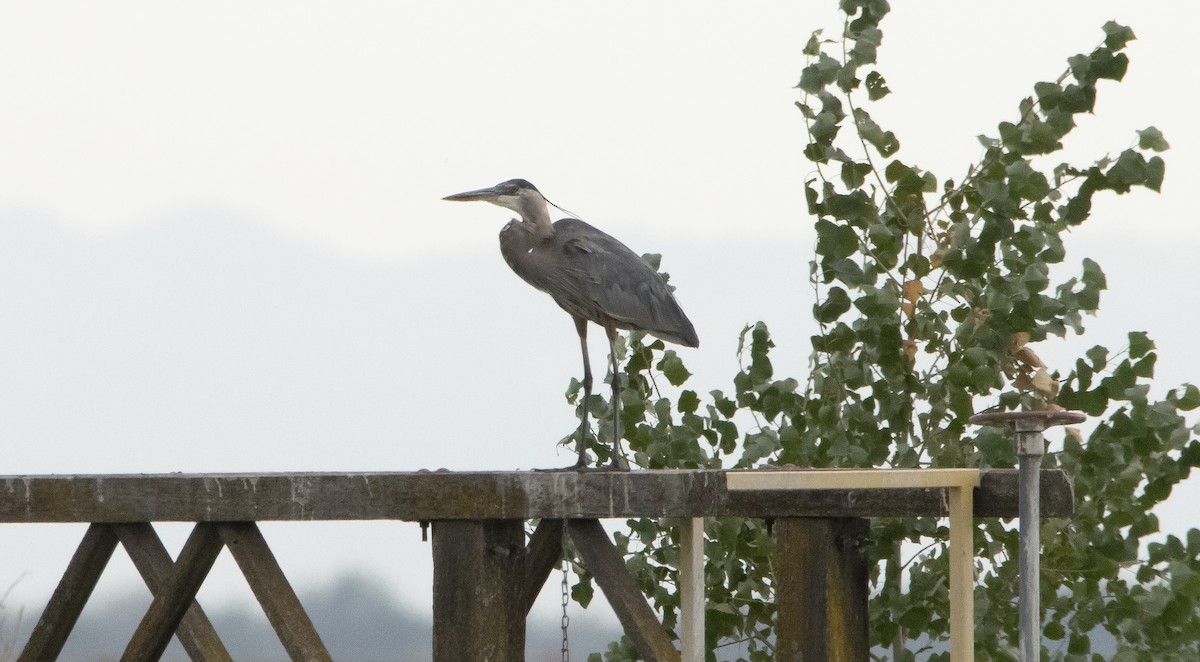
<point>486,194</point>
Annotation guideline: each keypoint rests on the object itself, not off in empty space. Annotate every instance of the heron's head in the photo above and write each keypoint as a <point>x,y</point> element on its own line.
<point>515,194</point>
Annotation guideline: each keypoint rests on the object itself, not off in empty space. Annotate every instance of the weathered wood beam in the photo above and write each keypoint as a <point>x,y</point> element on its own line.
<point>821,579</point>
<point>72,593</point>
<point>543,552</point>
<point>606,564</point>
<point>1000,490</point>
<point>478,588</point>
<point>996,496</point>
<point>154,563</point>
<point>283,609</point>
<point>478,495</point>
<point>175,596</point>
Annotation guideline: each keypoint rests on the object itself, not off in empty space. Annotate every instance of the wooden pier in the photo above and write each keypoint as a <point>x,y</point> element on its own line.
<point>486,573</point>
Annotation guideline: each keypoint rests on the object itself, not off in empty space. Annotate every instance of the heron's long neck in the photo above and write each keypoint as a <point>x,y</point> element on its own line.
<point>535,213</point>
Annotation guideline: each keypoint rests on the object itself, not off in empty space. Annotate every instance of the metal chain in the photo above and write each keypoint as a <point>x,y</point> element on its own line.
<point>566,594</point>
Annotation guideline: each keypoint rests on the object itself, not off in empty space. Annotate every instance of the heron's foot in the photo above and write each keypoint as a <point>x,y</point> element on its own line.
<point>582,468</point>
<point>618,463</point>
<point>580,465</point>
<point>573,467</point>
<point>585,469</point>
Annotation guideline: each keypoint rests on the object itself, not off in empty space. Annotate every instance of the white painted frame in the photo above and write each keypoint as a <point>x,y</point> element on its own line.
<point>959,483</point>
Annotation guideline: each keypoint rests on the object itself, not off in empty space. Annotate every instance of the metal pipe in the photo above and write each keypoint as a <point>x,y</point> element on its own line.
<point>1031,447</point>
<point>1030,557</point>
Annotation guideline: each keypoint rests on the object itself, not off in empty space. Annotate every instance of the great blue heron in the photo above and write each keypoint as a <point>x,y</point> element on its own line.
<point>590,275</point>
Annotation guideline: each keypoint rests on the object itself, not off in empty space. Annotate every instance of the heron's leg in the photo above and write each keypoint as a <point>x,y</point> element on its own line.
<point>581,328</point>
<point>617,457</point>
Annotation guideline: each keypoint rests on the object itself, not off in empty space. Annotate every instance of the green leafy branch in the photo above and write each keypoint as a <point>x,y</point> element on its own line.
<point>931,296</point>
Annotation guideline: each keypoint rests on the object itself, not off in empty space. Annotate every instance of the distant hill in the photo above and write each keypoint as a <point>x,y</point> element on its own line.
<point>356,619</point>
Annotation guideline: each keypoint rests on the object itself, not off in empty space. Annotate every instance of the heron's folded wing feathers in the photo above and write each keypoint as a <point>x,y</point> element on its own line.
<point>620,284</point>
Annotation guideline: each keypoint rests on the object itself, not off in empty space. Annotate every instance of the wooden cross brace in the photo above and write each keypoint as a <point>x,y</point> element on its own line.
<point>486,580</point>
<point>174,585</point>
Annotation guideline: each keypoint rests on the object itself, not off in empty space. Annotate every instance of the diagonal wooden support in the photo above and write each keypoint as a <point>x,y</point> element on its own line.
<point>72,593</point>
<point>175,595</point>
<point>543,552</point>
<point>152,560</point>
<point>274,593</point>
<point>602,559</point>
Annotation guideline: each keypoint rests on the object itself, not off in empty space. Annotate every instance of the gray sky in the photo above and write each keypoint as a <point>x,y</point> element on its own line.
<point>222,244</point>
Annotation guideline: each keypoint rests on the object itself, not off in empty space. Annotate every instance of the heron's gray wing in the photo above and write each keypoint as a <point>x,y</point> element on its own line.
<point>607,274</point>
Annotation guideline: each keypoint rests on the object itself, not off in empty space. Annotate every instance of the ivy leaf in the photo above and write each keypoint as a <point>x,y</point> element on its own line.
<point>1117,35</point>
<point>688,403</point>
<point>1093,275</point>
<point>855,174</point>
<point>1189,400</point>
<point>1151,138</point>
<point>988,141</point>
<point>836,304</point>
<point>1078,98</point>
<point>1130,169</point>
<point>582,592</point>
<point>819,74</point>
<point>1155,169</point>
<point>813,46</point>
<point>1106,65</point>
<point>884,141</point>
<point>866,46</point>
<point>876,86</point>
<point>1139,344</point>
<point>672,368</point>
<point>834,241</point>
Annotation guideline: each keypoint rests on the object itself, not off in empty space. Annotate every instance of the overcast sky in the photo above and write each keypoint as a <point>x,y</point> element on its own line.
<point>222,244</point>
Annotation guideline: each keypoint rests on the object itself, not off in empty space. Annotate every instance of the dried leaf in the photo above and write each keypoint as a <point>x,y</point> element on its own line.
<point>935,260</point>
<point>913,290</point>
<point>1018,340</point>
<point>1023,382</point>
<point>1044,384</point>
<point>1028,357</point>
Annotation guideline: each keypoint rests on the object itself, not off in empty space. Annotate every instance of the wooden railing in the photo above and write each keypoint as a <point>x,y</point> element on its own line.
<point>479,546</point>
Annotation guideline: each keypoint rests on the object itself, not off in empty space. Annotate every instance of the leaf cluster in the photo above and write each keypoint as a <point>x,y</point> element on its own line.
<point>931,294</point>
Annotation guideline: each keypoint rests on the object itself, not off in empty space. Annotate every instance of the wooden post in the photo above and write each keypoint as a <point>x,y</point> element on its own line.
<point>478,590</point>
<point>821,579</point>
<point>962,576</point>
<point>691,590</point>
